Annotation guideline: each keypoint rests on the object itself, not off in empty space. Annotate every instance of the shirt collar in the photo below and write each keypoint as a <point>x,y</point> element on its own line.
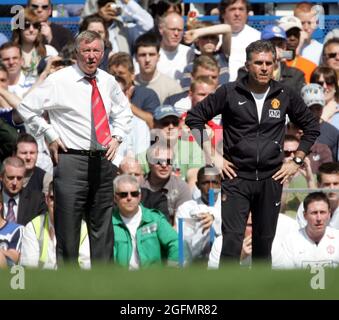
<point>7,197</point>
<point>79,74</point>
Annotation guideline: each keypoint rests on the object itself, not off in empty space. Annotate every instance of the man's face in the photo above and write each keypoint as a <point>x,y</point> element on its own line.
<point>260,67</point>
<point>13,179</point>
<point>161,164</point>
<point>123,72</point>
<point>213,74</point>
<point>28,152</point>
<point>236,16</point>
<point>172,31</point>
<point>147,57</point>
<point>3,79</point>
<point>127,197</point>
<point>12,60</point>
<point>293,36</point>
<point>332,56</point>
<point>206,182</point>
<point>207,44</point>
<point>290,148</point>
<point>42,9</point>
<point>201,91</point>
<point>330,181</point>
<point>89,55</point>
<point>169,126</point>
<point>308,21</point>
<point>132,168</point>
<point>317,216</point>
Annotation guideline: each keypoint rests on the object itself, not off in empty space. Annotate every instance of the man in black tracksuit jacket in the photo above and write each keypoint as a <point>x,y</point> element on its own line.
<point>252,163</point>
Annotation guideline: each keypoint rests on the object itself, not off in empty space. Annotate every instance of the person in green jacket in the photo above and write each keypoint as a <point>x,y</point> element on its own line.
<point>142,236</point>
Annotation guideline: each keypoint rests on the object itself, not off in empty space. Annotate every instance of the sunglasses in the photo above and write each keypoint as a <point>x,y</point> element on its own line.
<point>124,195</point>
<point>167,122</point>
<point>209,182</point>
<point>331,55</point>
<point>36,6</point>
<point>160,161</point>
<point>36,25</point>
<point>288,153</point>
<point>329,83</point>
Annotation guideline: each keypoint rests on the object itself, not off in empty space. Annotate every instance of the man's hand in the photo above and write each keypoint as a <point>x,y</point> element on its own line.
<point>112,148</point>
<point>206,220</point>
<point>46,31</point>
<point>246,247</point>
<point>54,148</point>
<point>287,170</point>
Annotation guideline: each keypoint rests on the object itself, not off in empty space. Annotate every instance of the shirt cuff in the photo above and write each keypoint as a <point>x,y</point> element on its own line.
<point>51,135</point>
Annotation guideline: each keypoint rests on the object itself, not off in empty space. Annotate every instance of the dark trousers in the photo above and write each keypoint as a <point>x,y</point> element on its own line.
<point>83,189</point>
<point>239,197</point>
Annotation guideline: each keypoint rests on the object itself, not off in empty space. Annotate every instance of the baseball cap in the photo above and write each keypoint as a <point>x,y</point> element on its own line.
<point>272,31</point>
<point>165,110</point>
<point>332,34</point>
<point>290,22</point>
<point>313,93</point>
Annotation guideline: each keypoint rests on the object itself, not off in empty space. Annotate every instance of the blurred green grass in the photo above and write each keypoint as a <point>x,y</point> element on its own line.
<point>193,283</point>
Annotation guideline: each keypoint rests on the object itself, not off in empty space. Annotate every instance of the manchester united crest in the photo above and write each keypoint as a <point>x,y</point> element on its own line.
<point>275,103</point>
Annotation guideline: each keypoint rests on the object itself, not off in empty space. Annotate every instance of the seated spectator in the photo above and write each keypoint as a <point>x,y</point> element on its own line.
<point>292,26</point>
<point>147,55</point>
<point>327,178</point>
<point>310,245</point>
<point>21,205</point>
<point>161,178</point>
<point>200,215</point>
<point>35,178</point>
<point>142,237</point>
<point>314,98</point>
<point>205,38</point>
<point>327,78</point>
<point>331,55</point>
<point>202,66</point>
<point>31,43</point>
<point>149,199</point>
<point>10,240</point>
<point>39,242</point>
<point>54,34</point>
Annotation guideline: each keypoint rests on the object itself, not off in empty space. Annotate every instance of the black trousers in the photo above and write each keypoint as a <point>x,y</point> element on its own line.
<point>83,189</point>
<point>239,197</point>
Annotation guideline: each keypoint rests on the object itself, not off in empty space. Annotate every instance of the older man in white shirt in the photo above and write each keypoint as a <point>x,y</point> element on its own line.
<point>79,99</point>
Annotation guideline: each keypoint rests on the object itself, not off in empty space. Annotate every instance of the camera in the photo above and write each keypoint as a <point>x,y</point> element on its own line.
<point>287,54</point>
<point>117,8</point>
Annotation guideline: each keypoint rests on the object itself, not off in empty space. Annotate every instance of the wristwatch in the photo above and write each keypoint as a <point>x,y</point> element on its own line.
<point>118,138</point>
<point>299,161</point>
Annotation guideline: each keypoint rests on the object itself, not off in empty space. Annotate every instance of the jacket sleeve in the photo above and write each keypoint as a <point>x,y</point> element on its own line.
<point>168,238</point>
<point>204,111</point>
<point>300,114</point>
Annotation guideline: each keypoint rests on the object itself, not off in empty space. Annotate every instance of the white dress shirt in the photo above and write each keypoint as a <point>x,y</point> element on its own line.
<point>66,95</point>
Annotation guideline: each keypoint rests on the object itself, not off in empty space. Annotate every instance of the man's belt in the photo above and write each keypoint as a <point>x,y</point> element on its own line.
<point>88,153</point>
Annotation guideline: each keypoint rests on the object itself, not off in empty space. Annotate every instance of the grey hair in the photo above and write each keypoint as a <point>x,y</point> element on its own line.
<point>88,36</point>
<point>125,178</point>
<point>260,46</point>
<point>11,161</point>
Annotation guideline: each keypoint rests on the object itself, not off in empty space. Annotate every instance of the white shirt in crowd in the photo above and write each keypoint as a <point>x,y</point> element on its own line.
<point>132,225</point>
<point>239,43</point>
<point>66,95</point>
<point>302,252</point>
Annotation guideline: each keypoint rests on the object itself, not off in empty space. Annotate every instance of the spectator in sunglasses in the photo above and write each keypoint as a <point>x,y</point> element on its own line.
<point>30,39</point>
<point>143,237</point>
<point>328,79</point>
<point>161,178</point>
<point>331,54</point>
<point>54,34</point>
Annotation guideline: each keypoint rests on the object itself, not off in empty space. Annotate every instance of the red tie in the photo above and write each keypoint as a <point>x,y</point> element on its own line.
<point>99,115</point>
